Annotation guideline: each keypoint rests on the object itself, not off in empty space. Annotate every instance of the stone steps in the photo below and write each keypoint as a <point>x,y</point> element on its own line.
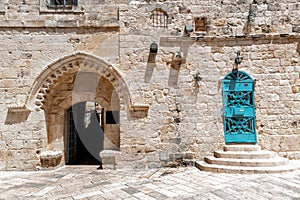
<point>245,155</point>
<point>246,159</point>
<point>276,161</point>
<point>240,147</point>
<point>291,166</point>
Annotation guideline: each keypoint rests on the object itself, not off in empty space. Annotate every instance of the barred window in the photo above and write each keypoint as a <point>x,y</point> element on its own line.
<point>159,18</point>
<point>112,117</point>
<point>63,2</point>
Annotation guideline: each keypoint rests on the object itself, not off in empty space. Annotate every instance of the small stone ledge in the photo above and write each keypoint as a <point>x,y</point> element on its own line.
<point>50,158</point>
<point>139,107</point>
<point>16,109</point>
<point>110,158</point>
<point>16,115</point>
<point>65,24</point>
<point>52,10</point>
<point>249,36</point>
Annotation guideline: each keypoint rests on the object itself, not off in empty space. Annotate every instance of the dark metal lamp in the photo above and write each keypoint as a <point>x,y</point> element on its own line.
<point>238,59</point>
<point>153,48</point>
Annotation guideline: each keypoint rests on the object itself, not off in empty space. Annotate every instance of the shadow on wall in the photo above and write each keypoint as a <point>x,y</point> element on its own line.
<point>150,67</point>
<point>16,115</point>
<point>175,63</point>
<point>151,62</point>
<point>175,67</point>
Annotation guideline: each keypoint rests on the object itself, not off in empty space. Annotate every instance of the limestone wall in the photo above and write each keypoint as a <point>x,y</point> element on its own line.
<point>184,118</point>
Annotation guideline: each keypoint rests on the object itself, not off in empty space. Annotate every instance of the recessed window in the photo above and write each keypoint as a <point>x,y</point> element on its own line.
<point>63,2</point>
<point>112,117</point>
<point>200,24</point>
<point>61,6</point>
<point>159,18</point>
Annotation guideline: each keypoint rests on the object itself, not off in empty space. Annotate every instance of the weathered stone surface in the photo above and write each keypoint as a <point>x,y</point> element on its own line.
<point>50,159</point>
<point>296,29</point>
<point>165,114</point>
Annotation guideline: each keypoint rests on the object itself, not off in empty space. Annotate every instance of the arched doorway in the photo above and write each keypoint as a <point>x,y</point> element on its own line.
<point>238,108</point>
<point>92,122</point>
<point>84,134</point>
<point>66,84</point>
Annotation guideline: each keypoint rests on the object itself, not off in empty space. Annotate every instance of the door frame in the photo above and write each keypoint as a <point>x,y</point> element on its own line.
<point>239,118</point>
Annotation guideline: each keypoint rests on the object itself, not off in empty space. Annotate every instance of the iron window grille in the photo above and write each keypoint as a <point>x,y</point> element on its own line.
<point>63,3</point>
<point>159,18</point>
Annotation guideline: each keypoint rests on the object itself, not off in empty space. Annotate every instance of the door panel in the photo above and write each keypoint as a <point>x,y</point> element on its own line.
<point>239,108</point>
<point>81,141</point>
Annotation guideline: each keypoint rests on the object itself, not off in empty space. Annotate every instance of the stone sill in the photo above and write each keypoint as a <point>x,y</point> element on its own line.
<point>233,37</point>
<point>49,9</point>
<point>249,36</point>
<point>31,25</point>
<point>171,41</point>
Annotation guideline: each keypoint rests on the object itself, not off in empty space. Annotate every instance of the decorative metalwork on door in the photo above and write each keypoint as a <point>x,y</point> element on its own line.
<point>71,138</point>
<point>239,108</point>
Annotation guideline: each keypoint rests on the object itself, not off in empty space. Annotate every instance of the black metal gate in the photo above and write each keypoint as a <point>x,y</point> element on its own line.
<point>71,138</point>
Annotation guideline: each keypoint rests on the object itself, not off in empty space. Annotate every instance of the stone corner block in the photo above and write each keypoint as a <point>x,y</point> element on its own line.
<point>50,158</point>
<point>109,158</point>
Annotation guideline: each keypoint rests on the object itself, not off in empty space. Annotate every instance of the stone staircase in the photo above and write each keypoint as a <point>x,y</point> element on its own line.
<point>246,159</point>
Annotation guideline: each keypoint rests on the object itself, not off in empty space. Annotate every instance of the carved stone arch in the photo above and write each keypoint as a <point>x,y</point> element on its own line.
<point>66,103</point>
<point>71,64</point>
<point>158,6</point>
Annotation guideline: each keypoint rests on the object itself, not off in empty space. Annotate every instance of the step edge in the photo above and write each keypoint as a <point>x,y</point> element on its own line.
<point>262,152</point>
<point>241,147</point>
<point>246,162</point>
<point>283,167</point>
<point>276,158</point>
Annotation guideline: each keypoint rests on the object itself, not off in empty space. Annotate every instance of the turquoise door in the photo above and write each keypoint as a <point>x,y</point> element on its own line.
<point>238,108</point>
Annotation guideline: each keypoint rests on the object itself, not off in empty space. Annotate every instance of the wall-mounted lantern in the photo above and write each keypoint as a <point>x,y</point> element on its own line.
<point>178,55</point>
<point>153,52</point>
<point>238,59</point>
<point>153,48</point>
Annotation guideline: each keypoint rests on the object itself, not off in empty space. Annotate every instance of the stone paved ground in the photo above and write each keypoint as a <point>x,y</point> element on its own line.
<point>85,182</point>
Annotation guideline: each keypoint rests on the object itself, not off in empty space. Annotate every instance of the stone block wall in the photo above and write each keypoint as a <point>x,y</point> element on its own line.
<point>184,119</point>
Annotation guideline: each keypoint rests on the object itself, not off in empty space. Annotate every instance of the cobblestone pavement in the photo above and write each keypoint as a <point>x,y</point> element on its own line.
<point>85,182</point>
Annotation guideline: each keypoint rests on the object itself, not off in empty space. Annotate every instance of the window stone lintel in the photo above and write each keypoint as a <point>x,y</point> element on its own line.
<point>46,8</point>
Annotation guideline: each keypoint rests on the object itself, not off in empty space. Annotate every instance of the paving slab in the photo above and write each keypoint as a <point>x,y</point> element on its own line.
<point>86,182</point>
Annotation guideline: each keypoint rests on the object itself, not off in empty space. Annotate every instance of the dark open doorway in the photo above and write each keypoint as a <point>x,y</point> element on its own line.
<point>84,141</point>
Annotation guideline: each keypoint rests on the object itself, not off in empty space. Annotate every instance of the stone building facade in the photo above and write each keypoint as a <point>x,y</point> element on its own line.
<point>152,69</point>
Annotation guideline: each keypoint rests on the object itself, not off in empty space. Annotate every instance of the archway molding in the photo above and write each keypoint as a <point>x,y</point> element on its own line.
<point>74,63</point>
